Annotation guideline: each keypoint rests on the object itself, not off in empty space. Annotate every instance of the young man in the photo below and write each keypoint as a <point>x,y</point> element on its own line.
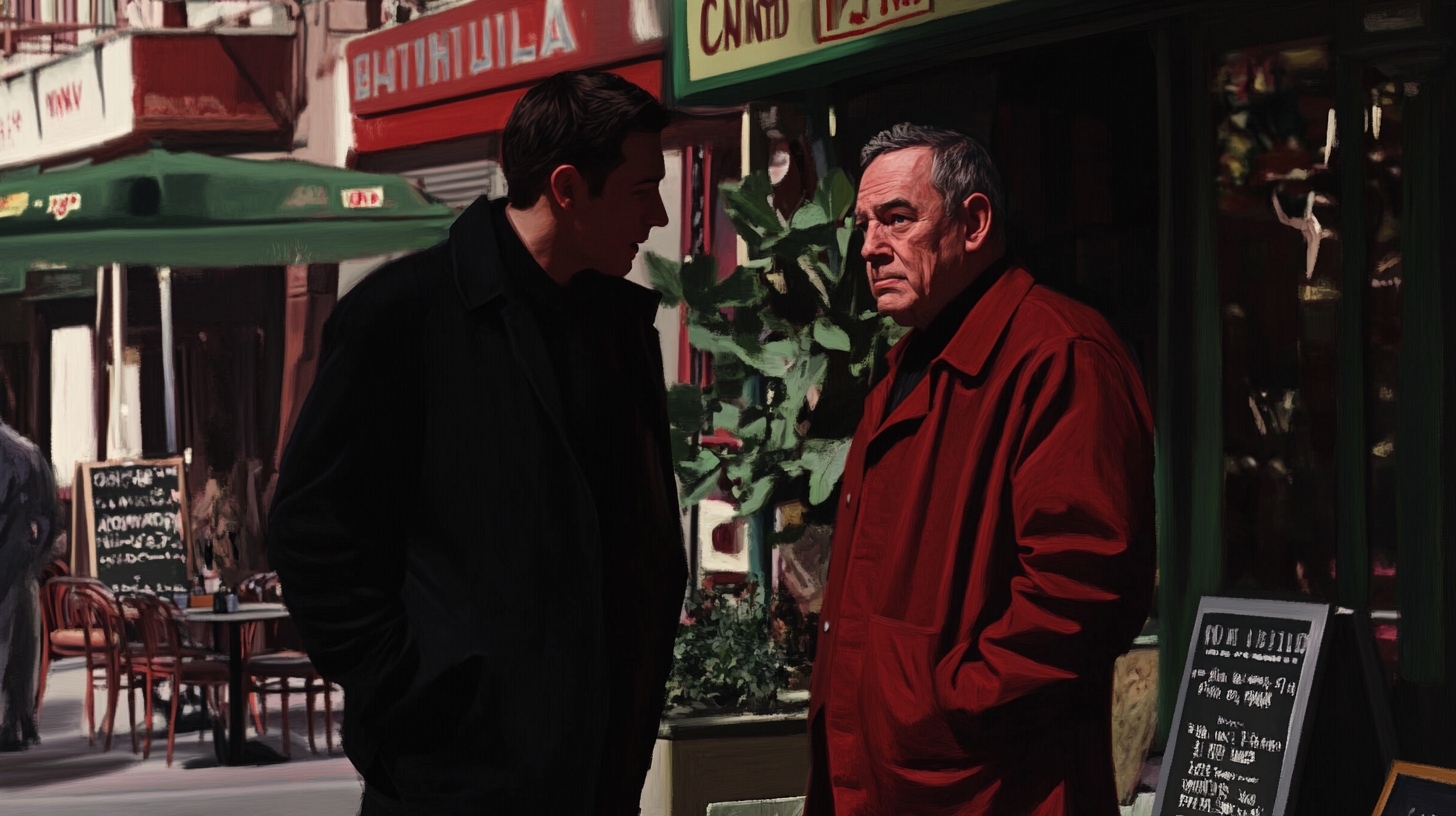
<point>476,523</point>
<point>994,549</point>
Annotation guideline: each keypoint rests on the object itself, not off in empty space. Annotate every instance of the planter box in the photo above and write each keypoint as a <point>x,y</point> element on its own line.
<point>699,761</point>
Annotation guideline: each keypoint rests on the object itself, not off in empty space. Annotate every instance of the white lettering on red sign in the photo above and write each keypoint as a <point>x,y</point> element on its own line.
<point>448,54</point>
<point>63,100</point>
<point>361,197</point>
<point>64,204</point>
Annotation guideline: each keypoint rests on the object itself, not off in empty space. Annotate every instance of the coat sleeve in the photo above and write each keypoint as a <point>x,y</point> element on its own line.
<point>1081,504</point>
<point>338,523</point>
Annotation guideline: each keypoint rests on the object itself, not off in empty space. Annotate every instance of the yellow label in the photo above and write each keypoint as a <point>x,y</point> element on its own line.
<point>724,36</point>
<point>14,204</point>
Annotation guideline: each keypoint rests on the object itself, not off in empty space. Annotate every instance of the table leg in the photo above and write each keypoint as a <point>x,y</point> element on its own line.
<point>236,715</point>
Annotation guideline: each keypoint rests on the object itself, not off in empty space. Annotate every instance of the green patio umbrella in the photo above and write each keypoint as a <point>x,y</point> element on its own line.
<point>187,209</point>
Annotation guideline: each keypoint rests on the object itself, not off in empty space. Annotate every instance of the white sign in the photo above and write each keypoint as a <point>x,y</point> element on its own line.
<point>365,197</point>
<point>18,133</point>
<point>75,103</point>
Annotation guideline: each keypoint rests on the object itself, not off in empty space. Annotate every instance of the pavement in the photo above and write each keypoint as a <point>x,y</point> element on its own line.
<point>64,775</point>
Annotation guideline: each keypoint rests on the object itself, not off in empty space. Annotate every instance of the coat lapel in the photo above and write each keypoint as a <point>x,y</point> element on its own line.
<point>480,278</point>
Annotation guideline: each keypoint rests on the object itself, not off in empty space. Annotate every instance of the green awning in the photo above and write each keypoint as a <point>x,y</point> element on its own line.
<point>187,209</point>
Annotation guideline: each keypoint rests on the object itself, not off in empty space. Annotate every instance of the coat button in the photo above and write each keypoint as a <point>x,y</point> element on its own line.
<point>826,626</point>
<point>847,499</point>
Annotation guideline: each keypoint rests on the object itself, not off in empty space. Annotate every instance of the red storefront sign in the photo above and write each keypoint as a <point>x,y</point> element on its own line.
<point>442,69</point>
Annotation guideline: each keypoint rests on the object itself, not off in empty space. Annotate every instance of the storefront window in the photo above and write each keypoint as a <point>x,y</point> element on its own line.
<point>1381,161</point>
<point>1278,266</point>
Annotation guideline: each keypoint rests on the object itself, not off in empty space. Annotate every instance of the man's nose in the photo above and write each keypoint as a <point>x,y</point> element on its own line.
<point>876,249</point>
<point>657,214</point>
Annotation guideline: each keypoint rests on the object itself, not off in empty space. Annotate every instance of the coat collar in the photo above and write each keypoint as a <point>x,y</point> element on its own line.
<point>480,274</point>
<point>968,351</point>
<point>972,344</point>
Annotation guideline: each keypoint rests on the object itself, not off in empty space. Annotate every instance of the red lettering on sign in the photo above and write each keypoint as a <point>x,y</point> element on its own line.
<point>9,128</point>
<point>63,100</point>
<point>741,23</point>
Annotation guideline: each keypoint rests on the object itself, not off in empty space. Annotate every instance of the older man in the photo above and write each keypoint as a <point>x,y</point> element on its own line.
<point>29,517</point>
<point>994,548</point>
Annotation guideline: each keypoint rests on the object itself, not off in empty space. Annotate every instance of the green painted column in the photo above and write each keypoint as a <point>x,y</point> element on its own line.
<point>1170,544</point>
<point>1205,537</point>
<point>1352,554</point>
<point>1420,571</point>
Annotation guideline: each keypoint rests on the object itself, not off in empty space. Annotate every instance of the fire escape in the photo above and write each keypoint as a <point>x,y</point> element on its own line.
<point>53,26</point>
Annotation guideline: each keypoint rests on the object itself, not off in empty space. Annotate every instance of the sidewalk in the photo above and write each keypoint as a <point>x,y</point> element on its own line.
<point>64,775</point>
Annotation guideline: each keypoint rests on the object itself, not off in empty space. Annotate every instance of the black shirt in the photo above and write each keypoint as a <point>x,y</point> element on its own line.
<point>927,345</point>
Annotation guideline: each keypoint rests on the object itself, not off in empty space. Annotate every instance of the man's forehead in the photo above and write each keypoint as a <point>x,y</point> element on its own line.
<point>897,177</point>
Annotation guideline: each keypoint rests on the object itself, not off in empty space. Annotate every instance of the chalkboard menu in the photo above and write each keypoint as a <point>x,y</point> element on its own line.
<point>136,515</point>
<point>1239,725</point>
<point>1418,790</point>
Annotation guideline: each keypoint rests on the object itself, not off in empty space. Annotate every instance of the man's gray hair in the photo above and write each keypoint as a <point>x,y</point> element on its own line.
<point>959,166</point>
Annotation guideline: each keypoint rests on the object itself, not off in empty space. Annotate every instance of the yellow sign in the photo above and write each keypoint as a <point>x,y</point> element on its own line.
<point>14,204</point>
<point>724,36</point>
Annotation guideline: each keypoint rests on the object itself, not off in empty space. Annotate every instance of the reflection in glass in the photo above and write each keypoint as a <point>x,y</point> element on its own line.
<point>1278,264</point>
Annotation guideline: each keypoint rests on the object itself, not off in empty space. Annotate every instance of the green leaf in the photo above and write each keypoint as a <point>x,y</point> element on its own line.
<point>753,495</point>
<point>742,288</point>
<point>666,277</point>
<point>685,406</point>
<point>830,336</point>
<point>823,479</point>
<point>838,192</point>
<point>727,417</point>
<point>754,430</point>
<point>747,206</point>
<point>699,278</point>
<point>808,216</point>
<point>694,492</point>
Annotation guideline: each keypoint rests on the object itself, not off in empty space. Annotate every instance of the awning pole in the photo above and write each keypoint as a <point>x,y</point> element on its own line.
<point>169,381</point>
<point>118,362</point>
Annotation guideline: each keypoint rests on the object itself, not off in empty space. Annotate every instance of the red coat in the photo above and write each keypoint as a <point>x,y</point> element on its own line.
<point>993,555</point>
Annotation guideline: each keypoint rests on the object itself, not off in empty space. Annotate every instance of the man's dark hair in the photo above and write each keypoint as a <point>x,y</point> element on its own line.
<point>960,165</point>
<point>578,118</point>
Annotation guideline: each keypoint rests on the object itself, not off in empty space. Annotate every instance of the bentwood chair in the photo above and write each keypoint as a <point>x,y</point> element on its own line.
<point>166,659</point>
<point>82,619</point>
<point>273,670</point>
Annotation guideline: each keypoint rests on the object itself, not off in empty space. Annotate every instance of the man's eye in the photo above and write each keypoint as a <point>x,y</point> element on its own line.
<point>899,218</point>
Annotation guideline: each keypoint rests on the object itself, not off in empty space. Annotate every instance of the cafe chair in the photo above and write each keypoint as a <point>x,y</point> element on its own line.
<point>273,670</point>
<point>165,660</point>
<point>82,619</point>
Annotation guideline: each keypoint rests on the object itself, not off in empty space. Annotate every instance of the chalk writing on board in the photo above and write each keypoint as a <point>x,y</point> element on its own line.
<point>1246,672</point>
<point>137,525</point>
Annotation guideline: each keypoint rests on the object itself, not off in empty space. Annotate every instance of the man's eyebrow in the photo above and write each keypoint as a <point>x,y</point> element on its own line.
<point>859,212</point>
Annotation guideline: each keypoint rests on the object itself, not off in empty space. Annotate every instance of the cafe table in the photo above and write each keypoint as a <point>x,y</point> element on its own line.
<point>234,748</point>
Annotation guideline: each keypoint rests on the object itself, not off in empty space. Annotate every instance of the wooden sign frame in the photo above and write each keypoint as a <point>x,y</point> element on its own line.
<point>1318,616</point>
<point>1400,768</point>
<point>83,479</point>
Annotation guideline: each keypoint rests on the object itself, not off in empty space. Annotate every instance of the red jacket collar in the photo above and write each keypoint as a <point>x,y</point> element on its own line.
<point>971,347</point>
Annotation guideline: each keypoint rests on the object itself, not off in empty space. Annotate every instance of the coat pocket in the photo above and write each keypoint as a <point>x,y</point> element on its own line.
<point>904,723</point>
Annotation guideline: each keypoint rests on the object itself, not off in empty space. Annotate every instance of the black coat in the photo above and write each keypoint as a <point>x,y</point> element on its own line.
<point>29,523</point>
<point>438,546</point>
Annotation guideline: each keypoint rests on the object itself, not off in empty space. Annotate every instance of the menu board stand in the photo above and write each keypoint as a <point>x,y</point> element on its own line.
<point>1352,739</point>
<point>1239,731</point>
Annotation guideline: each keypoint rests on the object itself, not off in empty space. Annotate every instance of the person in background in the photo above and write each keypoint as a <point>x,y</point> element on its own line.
<point>29,523</point>
<point>476,520</point>
<point>994,547</point>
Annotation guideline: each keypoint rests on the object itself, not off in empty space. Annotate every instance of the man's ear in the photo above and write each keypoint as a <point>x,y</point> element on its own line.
<point>975,214</point>
<point>567,186</point>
